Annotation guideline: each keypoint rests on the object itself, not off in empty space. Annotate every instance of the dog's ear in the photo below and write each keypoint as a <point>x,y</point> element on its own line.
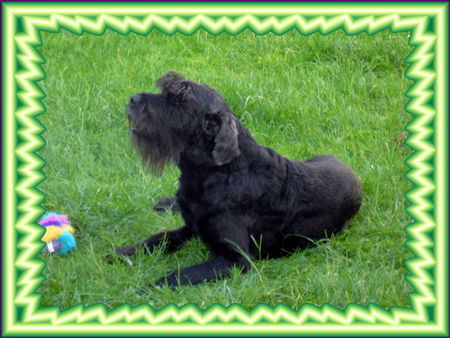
<point>222,127</point>
<point>174,86</point>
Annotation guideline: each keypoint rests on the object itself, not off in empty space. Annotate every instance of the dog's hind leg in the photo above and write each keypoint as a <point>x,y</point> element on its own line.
<point>215,268</point>
<point>174,239</point>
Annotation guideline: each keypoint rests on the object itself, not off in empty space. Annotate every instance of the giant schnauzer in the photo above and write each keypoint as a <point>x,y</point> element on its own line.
<point>243,200</point>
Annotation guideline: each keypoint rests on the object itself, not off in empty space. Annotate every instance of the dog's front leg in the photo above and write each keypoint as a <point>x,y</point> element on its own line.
<point>214,268</point>
<point>173,238</point>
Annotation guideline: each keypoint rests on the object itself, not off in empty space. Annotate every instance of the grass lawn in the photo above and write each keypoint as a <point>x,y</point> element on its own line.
<point>301,95</point>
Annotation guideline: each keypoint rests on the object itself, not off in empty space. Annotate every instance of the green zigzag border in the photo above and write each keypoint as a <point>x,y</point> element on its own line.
<point>22,204</point>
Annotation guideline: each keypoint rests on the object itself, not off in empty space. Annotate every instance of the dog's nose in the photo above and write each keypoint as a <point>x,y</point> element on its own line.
<point>134,99</point>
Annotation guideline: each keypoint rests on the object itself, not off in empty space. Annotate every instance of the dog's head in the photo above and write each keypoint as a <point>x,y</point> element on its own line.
<point>161,125</point>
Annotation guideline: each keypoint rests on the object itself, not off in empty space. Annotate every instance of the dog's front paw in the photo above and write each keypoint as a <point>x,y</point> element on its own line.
<point>121,255</point>
<point>112,259</point>
<point>169,281</point>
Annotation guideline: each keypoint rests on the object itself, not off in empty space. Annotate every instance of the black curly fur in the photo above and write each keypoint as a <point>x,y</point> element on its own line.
<point>242,199</point>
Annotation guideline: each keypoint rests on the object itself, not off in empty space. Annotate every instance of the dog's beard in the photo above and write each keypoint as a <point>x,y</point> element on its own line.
<point>157,150</point>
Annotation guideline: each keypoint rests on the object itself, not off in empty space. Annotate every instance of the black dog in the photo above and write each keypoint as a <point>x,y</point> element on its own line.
<point>242,199</point>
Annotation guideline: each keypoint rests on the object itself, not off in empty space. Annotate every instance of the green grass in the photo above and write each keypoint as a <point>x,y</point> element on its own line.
<point>301,95</point>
